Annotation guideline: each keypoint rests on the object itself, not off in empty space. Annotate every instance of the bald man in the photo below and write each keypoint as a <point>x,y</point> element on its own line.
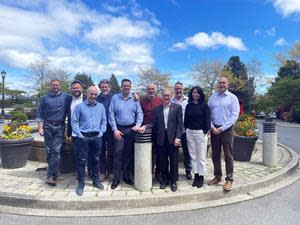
<point>224,107</point>
<point>89,124</point>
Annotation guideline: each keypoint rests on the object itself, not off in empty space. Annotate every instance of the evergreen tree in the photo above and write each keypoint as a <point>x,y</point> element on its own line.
<point>86,80</point>
<point>115,87</point>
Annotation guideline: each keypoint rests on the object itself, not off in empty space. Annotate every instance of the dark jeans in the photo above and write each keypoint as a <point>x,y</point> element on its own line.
<point>186,155</point>
<point>88,147</point>
<point>225,140</point>
<point>54,137</point>
<point>75,143</point>
<point>106,155</point>
<point>124,153</point>
<point>168,162</point>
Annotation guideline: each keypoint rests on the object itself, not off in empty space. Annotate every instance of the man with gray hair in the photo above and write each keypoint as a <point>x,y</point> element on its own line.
<point>89,124</point>
<point>167,127</point>
<point>148,103</point>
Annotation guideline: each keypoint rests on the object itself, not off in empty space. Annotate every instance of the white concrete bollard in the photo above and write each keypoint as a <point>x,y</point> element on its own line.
<point>143,161</point>
<point>269,144</point>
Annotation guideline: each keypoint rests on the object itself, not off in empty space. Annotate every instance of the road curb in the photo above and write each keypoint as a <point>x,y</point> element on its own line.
<point>168,202</point>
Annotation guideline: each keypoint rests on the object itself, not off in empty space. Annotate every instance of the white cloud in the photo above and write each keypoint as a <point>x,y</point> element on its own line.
<point>280,42</point>
<point>287,7</point>
<point>76,38</point>
<point>203,40</point>
<point>269,32</point>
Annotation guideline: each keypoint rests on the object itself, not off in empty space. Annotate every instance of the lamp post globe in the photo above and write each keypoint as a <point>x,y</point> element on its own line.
<point>3,75</point>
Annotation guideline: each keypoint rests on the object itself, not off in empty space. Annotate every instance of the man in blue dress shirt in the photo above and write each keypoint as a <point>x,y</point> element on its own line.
<point>225,110</point>
<point>89,124</point>
<point>51,115</point>
<point>125,116</point>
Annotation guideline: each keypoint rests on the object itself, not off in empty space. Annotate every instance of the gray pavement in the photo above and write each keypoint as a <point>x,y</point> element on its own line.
<point>23,191</point>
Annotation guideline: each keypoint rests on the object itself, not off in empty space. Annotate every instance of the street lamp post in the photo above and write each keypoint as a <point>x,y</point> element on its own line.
<point>3,74</point>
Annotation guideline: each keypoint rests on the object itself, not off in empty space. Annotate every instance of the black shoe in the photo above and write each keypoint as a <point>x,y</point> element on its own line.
<point>173,187</point>
<point>200,182</point>
<point>162,185</point>
<point>128,181</point>
<point>196,180</point>
<point>114,184</point>
<point>188,175</point>
<point>97,184</point>
<point>79,190</point>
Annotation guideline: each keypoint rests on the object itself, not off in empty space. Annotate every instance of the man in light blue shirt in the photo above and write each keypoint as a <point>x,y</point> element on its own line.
<point>89,124</point>
<point>125,116</point>
<point>225,110</point>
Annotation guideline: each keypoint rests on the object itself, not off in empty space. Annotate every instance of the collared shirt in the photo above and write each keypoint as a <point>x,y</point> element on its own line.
<point>53,107</point>
<point>124,112</point>
<point>183,101</point>
<point>166,110</point>
<point>224,109</point>
<point>105,100</point>
<point>75,101</point>
<point>148,105</point>
<point>89,117</point>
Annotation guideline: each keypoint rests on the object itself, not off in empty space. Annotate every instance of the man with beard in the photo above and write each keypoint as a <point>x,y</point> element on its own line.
<point>51,115</point>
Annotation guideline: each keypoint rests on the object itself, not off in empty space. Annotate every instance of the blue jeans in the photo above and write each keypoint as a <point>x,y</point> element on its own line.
<point>54,137</point>
<point>88,148</point>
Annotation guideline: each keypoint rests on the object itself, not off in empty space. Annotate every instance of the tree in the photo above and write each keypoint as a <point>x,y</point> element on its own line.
<point>236,72</point>
<point>41,72</point>
<point>86,80</point>
<point>237,67</point>
<point>152,75</point>
<point>207,73</point>
<point>295,51</point>
<point>115,87</point>
<point>285,93</point>
<point>38,71</point>
<point>291,69</point>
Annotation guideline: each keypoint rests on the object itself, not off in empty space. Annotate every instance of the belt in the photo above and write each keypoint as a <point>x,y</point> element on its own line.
<point>55,122</point>
<point>125,126</point>
<point>90,134</point>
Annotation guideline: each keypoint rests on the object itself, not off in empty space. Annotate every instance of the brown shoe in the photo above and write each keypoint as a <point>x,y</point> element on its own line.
<point>228,185</point>
<point>214,181</point>
<point>50,181</point>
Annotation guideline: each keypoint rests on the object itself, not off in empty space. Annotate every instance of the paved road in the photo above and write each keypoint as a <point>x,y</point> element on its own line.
<point>289,136</point>
<point>279,208</point>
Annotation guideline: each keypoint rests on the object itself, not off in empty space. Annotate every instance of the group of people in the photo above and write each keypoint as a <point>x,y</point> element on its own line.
<point>102,128</point>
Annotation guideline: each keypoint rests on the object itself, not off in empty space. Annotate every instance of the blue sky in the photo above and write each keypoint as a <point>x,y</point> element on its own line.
<point>120,37</point>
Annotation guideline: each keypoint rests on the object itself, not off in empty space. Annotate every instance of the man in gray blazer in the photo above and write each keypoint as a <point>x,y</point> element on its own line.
<point>167,130</point>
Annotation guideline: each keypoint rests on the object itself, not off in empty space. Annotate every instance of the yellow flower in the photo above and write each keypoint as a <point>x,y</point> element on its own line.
<point>245,126</point>
<point>15,131</point>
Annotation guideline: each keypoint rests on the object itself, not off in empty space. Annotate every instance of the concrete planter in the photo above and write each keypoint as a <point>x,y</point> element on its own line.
<point>14,154</point>
<point>243,147</point>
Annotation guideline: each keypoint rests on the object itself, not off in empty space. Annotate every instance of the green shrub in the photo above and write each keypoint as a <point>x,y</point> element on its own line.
<point>18,116</point>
